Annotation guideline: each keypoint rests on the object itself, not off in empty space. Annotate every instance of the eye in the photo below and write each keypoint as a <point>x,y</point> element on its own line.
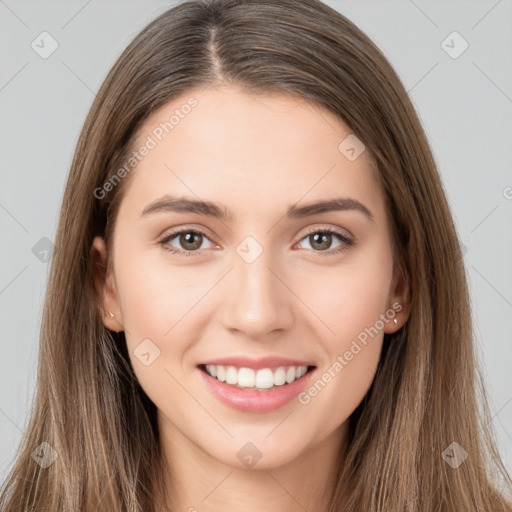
<point>321,239</point>
<point>190,239</point>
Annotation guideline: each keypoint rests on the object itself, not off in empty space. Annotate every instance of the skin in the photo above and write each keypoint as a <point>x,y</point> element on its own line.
<point>256,156</point>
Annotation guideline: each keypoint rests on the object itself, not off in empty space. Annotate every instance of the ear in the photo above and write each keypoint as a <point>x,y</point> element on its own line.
<point>105,287</point>
<point>399,299</point>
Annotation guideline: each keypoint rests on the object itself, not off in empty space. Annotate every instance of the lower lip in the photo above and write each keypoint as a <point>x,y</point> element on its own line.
<point>255,401</point>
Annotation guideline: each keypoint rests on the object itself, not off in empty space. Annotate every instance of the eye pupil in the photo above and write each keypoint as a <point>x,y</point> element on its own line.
<point>187,238</point>
<point>322,239</point>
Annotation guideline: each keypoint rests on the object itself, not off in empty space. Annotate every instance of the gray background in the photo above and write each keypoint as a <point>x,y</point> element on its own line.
<point>465,105</point>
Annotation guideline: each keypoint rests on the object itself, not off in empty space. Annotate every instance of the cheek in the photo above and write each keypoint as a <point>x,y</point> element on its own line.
<point>337,391</point>
<point>157,299</point>
<point>351,297</point>
<point>161,308</point>
<point>352,302</point>
<point>352,307</point>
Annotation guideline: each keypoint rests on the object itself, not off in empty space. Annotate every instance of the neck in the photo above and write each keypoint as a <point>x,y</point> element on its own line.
<point>200,483</point>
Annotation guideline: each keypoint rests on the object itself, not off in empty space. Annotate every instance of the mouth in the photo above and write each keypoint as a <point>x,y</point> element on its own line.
<point>255,386</point>
<point>252,379</point>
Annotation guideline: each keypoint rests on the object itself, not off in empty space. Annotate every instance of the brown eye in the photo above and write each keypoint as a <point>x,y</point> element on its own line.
<point>321,240</point>
<point>187,242</point>
<point>191,240</point>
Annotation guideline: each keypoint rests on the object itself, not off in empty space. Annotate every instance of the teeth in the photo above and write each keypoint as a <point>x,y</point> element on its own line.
<point>246,378</point>
<point>231,375</point>
<point>221,373</point>
<point>264,378</point>
<point>279,376</point>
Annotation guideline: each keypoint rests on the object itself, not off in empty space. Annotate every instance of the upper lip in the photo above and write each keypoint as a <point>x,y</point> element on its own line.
<point>263,362</point>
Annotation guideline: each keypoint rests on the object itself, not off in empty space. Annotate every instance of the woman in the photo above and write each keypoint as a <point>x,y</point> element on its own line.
<point>257,297</point>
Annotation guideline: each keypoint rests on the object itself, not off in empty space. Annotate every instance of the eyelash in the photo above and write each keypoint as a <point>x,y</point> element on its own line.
<point>346,241</point>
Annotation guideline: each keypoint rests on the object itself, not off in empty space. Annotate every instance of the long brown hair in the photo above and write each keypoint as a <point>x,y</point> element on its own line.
<point>427,392</point>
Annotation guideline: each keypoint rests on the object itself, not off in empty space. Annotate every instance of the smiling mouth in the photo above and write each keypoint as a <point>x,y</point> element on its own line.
<point>262,379</point>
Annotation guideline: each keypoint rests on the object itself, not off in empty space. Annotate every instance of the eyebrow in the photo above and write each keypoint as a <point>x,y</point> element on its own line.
<point>169,203</point>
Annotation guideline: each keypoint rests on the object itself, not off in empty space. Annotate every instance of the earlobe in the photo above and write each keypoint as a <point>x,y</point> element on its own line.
<point>399,301</point>
<point>107,301</point>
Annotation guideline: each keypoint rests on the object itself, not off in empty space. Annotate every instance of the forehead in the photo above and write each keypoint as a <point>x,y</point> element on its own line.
<point>250,153</point>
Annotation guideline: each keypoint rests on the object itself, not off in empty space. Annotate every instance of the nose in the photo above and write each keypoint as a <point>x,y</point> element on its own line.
<point>257,301</point>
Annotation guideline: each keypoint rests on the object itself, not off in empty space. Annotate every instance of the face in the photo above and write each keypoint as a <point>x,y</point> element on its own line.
<point>254,317</point>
